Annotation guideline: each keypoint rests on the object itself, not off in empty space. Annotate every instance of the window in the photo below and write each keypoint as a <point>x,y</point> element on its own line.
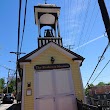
<point>98,97</point>
<point>104,96</point>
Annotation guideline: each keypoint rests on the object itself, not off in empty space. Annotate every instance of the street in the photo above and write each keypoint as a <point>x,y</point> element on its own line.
<point>12,106</point>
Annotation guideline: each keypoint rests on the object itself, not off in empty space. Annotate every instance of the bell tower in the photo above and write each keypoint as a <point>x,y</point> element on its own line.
<point>46,17</point>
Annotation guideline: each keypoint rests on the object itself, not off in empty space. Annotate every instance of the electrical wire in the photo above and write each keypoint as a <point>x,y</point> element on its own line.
<point>19,19</point>
<point>88,27</point>
<point>84,21</point>
<point>7,68</point>
<point>101,71</point>
<point>75,18</point>
<point>82,5</point>
<point>18,44</point>
<point>97,64</point>
<point>91,29</point>
<point>89,42</point>
<point>84,44</point>
<point>23,25</point>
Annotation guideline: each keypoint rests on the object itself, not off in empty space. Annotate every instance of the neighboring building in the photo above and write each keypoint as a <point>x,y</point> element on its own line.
<point>99,95</point>
<point>99,90</point>
<point>51,77</point>
<point>100,99</point>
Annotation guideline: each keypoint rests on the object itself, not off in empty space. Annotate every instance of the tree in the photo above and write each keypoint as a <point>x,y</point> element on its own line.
<point>108,83</point>
<point>101,84</point>
<point>2,83</point>
<point>11,85</point>
<point>87,89</point>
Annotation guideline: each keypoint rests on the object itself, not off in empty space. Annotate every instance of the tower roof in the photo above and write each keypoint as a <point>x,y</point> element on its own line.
<point>45,13</point>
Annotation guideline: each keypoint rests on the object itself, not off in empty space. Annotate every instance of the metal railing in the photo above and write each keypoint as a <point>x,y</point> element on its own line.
<point>82,106</point>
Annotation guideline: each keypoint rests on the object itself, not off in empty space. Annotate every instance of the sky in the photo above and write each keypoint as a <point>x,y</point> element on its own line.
<point>81,26</point>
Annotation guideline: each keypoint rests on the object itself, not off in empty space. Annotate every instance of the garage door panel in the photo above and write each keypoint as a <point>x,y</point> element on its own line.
<point>62,82</point>
<point>45,86</point>
<point>45,104</point>
<point>66,103</point>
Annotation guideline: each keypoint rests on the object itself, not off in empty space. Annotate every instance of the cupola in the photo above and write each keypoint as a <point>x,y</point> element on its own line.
<point>46,17</point>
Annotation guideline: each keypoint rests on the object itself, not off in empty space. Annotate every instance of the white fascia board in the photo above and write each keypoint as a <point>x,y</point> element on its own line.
<point>23,63</point>
<point>79,61</point>
<point>39,52</point>
<point>51,44</point>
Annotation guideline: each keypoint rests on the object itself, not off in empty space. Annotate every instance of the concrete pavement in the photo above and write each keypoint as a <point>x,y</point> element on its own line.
<point>13,106</point>
<point>5,106</point>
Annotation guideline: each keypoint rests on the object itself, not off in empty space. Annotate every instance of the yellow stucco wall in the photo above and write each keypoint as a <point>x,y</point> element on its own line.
<point>44,58</point>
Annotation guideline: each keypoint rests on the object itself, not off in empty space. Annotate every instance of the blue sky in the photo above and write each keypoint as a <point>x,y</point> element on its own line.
<point>80,23</point>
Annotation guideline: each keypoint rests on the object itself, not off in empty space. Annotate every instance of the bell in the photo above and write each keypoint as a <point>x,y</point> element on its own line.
<point>48,34</point>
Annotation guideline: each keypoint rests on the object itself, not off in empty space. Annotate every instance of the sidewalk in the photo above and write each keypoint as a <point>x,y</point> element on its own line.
<point>15,107</point>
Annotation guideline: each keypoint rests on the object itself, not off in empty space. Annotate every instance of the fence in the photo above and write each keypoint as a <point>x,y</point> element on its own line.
<point>105,107</point>
<point>82,106</point>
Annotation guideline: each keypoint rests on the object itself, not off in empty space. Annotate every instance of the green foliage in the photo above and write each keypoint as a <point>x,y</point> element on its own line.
<point>87,89</point>
<point>108,83</point>
<point>11,86</point>
<point>2,83</point>
<point>101,84</point>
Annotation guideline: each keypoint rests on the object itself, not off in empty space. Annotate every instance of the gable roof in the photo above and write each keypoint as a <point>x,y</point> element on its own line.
<point>29,56</point>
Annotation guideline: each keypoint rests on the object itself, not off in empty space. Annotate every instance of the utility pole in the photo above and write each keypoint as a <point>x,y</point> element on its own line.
<point>8,79</point>
<point>45,1</point>
<point>105,17</point>
<point>69,46</point>
<point>8,74</point>
<point>17,53</point>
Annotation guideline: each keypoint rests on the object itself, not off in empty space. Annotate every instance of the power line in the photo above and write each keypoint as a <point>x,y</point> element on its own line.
<point>24,24</point>
<point>101,71</point>
<point>84,21</point>
<point>91,29</point>
<point>82,5</point>
<point>76,11</point>
<point>19,18</point>
<point>89,42</point>
<point>98,63</point>
<point>75,18</point>
<point>91,18</point>
<point>7,68</point>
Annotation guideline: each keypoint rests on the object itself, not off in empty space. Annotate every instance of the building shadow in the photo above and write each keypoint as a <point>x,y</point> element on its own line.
<point>15,107</point>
